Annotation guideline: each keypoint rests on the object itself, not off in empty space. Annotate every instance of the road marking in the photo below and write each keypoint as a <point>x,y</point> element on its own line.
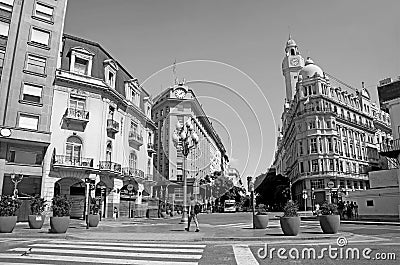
<point>99,247</point>
<point>129,244</point>
<point>243,255</point>
<point>111,253</point>
<point>231,224</point>
<point>92,260</point>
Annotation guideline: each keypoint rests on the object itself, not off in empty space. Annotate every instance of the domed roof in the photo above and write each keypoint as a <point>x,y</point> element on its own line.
<point>290,43</point>
<point>310,69</point>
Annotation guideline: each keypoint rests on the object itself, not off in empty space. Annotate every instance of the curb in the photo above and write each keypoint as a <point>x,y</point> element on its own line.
<point>369,223</point>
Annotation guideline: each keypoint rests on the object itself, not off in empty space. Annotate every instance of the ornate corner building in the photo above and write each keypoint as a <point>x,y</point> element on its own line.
<point>101,129</point>
<point>208,157</point>
<point>330,132</point>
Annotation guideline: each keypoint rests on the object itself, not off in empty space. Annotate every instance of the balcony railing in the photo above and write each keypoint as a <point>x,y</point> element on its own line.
<point>362,176</point>
<point>390,149</point>
<point>133,172</point>
<point>112,126</point>
<point>110,166</point>
<point>135,138</point>
<point>150,148</point>
<point>65,160</point>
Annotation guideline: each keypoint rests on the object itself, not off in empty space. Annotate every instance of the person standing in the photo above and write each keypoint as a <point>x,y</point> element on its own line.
<point>193,211</point>
<point>355,210</point>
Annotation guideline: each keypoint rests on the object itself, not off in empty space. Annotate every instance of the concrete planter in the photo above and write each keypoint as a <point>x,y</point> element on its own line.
<point>94,220</point>
<point>59,224</point>
<point>329,223</point>
<point>261,221</point>
<point>7,223</point>
<point>290,225</point>
<point>35,221</point>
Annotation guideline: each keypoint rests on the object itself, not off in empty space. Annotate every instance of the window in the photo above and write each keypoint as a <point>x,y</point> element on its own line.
<point>77,103</point>
<point>4,27</point>
<point>25,155</point>
<point>331,165</point>
<point>41,37</point>
<point>36,64</point>
<point>28,121</point>
<point>317,184</point>
<point>73,150</point>
<point>110,80</point>
<point>108,152</point>
<point>7,5</point>
<point>315,167</point>
<point>44,12</point>
<point>132,160</point>
<point>81,66</point>
<point>301,147</point>
<point>313,145</point>
<point>301,167</point>
<point>370,203</point>
<point>2,55</point>
<point>32,93</point>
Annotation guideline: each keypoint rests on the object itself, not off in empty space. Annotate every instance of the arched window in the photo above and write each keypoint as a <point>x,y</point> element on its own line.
<point>292,52</point>
<point>132,160</point>
<point>108,151</point>
<point>73,149</point>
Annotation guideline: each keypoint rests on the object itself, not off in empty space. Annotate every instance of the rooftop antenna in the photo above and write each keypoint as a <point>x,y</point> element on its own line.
<point>174,72</point>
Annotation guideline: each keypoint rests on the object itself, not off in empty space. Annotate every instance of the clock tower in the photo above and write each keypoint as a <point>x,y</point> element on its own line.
<point>291,66</point>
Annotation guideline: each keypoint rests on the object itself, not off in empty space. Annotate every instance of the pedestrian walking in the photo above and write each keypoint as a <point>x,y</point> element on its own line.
<point>355,210</point>
<point>194,209</point>
<point>115,213</point>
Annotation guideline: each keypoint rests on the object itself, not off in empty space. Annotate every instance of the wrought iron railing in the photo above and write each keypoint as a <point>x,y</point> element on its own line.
<point>108,165</point>
<point>134,172</point>
<point>111,124</point>
<point>73,161</point>
<point>79,114</point>
<point>135,136</point>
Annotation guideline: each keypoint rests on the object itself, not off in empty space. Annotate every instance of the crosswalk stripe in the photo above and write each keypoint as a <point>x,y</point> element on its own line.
<point>131,244</point>
<point>156,249</point>
<point>112,253</point>
<point>243,255</point>
<point>92,260</point>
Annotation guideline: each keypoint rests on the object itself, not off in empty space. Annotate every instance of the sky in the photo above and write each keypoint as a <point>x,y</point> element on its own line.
<point>230,53</point>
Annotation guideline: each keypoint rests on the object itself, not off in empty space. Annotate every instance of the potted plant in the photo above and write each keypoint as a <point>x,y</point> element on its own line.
<point>36,219</point>
<point>61,207</point>
<point>261,217</point>
<point>94,217</point>
<point>329,219</point>
<point>8,206</point>
<point>290,221</point>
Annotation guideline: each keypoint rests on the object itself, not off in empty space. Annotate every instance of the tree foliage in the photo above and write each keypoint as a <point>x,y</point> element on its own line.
<point>273,191</point>
<point>220,186</point>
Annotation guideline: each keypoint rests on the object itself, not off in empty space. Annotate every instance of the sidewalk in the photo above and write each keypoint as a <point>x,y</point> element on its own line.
<point>143,229</point>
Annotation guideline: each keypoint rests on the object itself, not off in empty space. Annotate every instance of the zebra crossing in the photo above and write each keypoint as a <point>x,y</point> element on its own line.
<point>92,252</point>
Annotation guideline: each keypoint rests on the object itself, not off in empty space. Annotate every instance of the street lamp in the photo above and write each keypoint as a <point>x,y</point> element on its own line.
<point>16,178</point>
<point>189,139</point>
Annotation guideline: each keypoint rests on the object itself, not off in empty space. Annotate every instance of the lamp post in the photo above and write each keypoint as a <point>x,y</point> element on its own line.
<point>16,178</point>
<point>189,139</point>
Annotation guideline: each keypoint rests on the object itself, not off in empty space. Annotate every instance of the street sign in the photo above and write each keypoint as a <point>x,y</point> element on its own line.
<point>305,196</point>
<point>129,187</point>
<point>331,184</point>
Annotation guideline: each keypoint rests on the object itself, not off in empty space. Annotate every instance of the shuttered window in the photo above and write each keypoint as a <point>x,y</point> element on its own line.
<point>32,93</point>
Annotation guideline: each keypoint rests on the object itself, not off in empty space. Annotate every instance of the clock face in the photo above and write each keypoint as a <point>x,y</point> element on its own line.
<point>295,61</point>
<point>180,93</point>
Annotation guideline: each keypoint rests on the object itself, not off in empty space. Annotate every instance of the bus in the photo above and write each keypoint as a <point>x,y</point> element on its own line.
<point>229,206</point>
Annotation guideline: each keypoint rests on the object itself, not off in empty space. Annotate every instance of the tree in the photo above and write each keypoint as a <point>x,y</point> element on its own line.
<point>220,186</point>
<point>273,190</point>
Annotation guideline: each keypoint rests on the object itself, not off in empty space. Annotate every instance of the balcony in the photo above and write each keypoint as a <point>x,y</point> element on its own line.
<point>73,115</point>
<point>133,172</point>
<point>112,126</point>
<point>135,139</point>
<point>390,149</point>
<point>150,149</point>
<point>72,162</point>
<point>110,166</point>
<point>148,177</point>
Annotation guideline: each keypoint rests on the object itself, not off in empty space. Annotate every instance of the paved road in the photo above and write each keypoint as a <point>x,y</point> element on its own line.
<point>79,249</point>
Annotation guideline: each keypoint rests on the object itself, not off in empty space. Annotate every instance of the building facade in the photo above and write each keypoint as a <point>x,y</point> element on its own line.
<point>30,37</point>
<point>208,157</point>
<point>329,133</point>
<point>101,129</point>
